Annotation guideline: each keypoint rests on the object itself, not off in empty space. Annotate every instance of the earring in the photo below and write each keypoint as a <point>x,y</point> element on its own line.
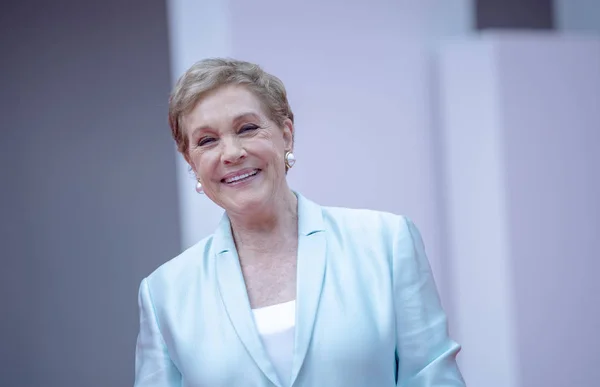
<point>199,188</point>
<point>290,159</point>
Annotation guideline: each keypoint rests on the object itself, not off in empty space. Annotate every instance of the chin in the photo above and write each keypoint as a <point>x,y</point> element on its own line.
<point>247,202</point>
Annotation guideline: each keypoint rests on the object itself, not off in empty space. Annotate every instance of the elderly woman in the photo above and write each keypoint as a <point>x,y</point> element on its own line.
<point>285,292</point>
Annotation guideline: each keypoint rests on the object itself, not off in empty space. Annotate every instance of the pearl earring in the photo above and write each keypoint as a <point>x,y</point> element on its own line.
<point>290,159</point>
<point>199,188</point>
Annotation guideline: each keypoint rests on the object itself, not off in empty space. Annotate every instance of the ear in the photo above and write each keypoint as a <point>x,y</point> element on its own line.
<point>288,134</point>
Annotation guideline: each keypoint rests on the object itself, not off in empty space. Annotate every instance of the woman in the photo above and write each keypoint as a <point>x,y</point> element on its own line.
<point>285,292</point>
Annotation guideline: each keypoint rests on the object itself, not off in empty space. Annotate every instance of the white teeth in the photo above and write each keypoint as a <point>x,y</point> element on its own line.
<point>240,177</point>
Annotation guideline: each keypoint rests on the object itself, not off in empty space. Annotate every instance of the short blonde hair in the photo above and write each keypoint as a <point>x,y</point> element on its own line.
<point>210,74</point>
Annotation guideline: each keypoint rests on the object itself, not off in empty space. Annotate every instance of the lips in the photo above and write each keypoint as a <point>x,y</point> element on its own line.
<point>239,176</point>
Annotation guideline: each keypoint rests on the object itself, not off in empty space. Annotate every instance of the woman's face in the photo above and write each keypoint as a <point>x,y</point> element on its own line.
<point>236,151</point>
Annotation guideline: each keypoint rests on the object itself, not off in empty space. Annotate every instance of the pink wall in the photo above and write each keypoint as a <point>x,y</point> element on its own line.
<point>521,114</point>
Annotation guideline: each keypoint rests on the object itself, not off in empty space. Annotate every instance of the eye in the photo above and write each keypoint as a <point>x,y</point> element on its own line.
<point>205,141</point>
<point>248,127</point>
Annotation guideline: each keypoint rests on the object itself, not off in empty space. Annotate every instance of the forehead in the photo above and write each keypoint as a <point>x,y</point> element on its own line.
<point>222,105</point>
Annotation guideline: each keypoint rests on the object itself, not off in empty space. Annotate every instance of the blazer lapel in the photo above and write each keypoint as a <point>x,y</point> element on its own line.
<point>310,274</point>
<point>235,298</point>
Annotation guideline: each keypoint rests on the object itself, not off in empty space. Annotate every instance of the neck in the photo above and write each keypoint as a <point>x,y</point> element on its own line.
<point>268,228</point>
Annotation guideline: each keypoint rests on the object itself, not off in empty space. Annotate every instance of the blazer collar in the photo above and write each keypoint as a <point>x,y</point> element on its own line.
<point>310,220</point>
<point>310,273</point>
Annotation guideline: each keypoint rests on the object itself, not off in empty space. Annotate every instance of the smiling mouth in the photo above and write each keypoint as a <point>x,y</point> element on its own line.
<point>240,178</point>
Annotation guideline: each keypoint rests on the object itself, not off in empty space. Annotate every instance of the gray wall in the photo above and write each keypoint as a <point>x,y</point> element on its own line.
<point>88,182</point>
<point>514,14</point>
<point>579,16</point>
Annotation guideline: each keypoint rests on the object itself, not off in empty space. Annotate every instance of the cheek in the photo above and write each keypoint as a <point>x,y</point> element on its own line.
<point>201,164</point>
<point>272,155</point>
<point>268,146</point>
<point>194,160</point>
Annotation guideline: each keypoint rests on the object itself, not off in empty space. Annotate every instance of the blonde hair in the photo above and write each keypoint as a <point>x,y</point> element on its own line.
<point>212,73</point>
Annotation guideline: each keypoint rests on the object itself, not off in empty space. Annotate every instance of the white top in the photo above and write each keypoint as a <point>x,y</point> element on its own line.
<point>276,325</point>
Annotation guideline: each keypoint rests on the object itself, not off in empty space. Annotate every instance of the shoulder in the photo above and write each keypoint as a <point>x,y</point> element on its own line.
<point>364,222</point>
<point>182,268</point>
<point>364,226</point>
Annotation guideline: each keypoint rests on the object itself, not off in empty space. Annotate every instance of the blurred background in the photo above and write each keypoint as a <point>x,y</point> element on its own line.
<point>478,119</point>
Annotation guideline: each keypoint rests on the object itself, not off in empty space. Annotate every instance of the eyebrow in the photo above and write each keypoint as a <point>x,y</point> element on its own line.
<point>237,118</point>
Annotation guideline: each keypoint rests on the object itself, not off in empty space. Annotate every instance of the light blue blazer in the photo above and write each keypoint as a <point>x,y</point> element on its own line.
<point>368,312</point>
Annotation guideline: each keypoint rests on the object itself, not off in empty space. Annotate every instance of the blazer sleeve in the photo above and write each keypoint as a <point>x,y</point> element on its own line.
<point>153,366</point>
<point>426,355</point>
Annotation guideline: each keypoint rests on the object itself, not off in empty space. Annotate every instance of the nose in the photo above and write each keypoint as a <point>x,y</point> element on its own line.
<point>232,151</point>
